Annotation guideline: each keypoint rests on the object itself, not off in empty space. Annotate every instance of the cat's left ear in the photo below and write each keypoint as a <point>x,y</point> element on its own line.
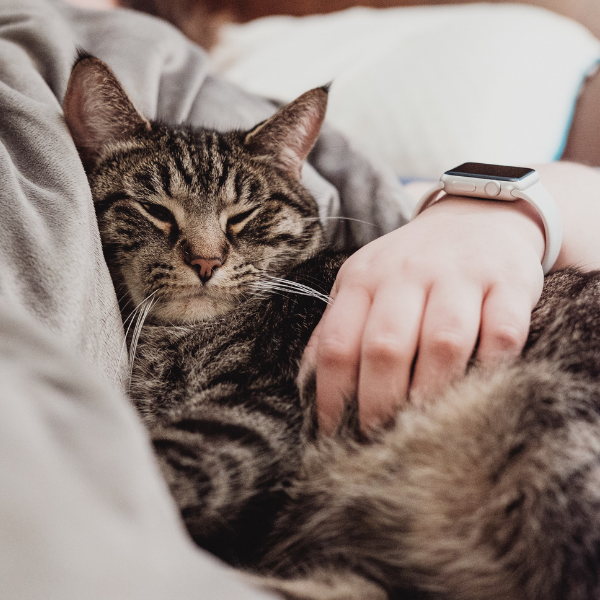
<point>289,135</point>
<point>98,110</point>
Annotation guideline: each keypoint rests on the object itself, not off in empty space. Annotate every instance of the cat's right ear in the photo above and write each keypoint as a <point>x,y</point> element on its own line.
<point>98,110</point>
<point>288,136</point>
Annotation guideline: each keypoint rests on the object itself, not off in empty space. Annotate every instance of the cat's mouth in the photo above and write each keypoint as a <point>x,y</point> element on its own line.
<point>193,304</point>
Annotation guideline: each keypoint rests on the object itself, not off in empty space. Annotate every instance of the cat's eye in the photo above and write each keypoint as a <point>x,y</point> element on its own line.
<point>236,222</point>
<point>158,212</point>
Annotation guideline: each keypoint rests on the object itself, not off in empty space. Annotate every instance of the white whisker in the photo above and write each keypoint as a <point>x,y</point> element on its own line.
<point>143,313</point>
<point>131,319</point>
<point>276,284</point>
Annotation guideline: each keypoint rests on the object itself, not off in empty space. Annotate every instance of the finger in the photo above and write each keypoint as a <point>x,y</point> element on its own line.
<point>505,321</point>
<point>448,336</point>
<point>338,354</point>
<point>389,344</point>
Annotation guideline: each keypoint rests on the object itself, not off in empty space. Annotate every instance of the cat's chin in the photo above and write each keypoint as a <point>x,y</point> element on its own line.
<point>192,309</point>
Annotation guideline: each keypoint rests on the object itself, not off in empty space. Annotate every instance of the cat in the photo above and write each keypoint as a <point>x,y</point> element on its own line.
<point>490,492</point>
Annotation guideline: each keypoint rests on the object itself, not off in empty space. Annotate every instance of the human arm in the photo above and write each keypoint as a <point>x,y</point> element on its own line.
<point>463,271</point>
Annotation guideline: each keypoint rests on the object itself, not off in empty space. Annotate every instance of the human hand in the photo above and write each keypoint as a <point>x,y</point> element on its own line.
<point>410,307</point>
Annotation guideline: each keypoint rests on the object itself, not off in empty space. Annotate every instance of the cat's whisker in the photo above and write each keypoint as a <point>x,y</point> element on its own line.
<point>143,314</point>
<point>294,284</point>
<point>124,344</point>
<point>128,322</point>
<point>273,284</point>
<point>287,281</point>
<point>340,219</point>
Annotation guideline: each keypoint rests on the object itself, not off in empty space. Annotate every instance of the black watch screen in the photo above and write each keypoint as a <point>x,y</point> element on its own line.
<point>482,170</point>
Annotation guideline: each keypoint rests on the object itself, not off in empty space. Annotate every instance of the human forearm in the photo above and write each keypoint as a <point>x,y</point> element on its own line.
<point>576,189</point>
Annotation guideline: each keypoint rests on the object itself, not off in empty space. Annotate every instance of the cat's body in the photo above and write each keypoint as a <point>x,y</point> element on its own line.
<point>223,408</point>
<point>491,492</point>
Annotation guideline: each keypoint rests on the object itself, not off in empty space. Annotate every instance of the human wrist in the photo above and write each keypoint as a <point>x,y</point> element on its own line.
<point>517,218</point>
<point>507,183</point>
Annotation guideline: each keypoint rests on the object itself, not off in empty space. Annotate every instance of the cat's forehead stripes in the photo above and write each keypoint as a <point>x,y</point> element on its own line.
<point>202,171</point>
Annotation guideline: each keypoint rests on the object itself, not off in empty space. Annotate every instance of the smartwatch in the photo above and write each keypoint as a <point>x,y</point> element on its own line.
<point>499,182</point>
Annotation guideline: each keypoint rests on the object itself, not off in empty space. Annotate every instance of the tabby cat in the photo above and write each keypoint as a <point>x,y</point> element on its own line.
<point>492,492</point>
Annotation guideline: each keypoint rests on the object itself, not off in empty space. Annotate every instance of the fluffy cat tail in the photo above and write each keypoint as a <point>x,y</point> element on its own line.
<point>490,493</point>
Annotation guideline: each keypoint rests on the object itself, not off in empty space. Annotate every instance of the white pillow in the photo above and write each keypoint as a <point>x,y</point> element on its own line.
<point>426,88</point>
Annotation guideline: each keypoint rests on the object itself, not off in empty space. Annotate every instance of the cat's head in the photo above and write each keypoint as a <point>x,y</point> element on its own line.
<point>193,217</point>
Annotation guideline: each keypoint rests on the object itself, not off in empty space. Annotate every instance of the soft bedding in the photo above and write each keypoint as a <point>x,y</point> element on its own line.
<point>426,88</point>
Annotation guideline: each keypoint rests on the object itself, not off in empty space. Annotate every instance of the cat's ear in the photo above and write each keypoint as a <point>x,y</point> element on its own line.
<point>289,135</point>
<point>97,109</point>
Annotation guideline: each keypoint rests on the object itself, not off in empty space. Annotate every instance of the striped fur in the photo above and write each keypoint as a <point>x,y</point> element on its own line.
<point>490,493</point>
<point>225,415</point>
<point>221,203</point>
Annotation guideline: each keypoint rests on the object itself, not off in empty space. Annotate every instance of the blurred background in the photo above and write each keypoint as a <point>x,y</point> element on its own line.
<point>191,15</point>
<point>418,84</point>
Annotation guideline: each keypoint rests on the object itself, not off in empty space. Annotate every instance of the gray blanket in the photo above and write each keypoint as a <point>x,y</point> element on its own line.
<point>83,511</point>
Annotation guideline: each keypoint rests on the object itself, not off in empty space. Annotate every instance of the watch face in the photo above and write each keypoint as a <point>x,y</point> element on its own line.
<point>483,171</point>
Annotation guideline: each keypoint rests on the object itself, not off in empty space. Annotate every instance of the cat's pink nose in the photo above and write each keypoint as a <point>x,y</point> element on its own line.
<point>205,267</point>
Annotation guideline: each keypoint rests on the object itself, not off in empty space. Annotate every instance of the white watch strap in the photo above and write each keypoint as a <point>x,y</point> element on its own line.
<point>540,198</point>
<point>536,195</point>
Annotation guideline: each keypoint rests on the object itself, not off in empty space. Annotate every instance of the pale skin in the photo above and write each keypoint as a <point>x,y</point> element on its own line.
<point>412,307</point>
